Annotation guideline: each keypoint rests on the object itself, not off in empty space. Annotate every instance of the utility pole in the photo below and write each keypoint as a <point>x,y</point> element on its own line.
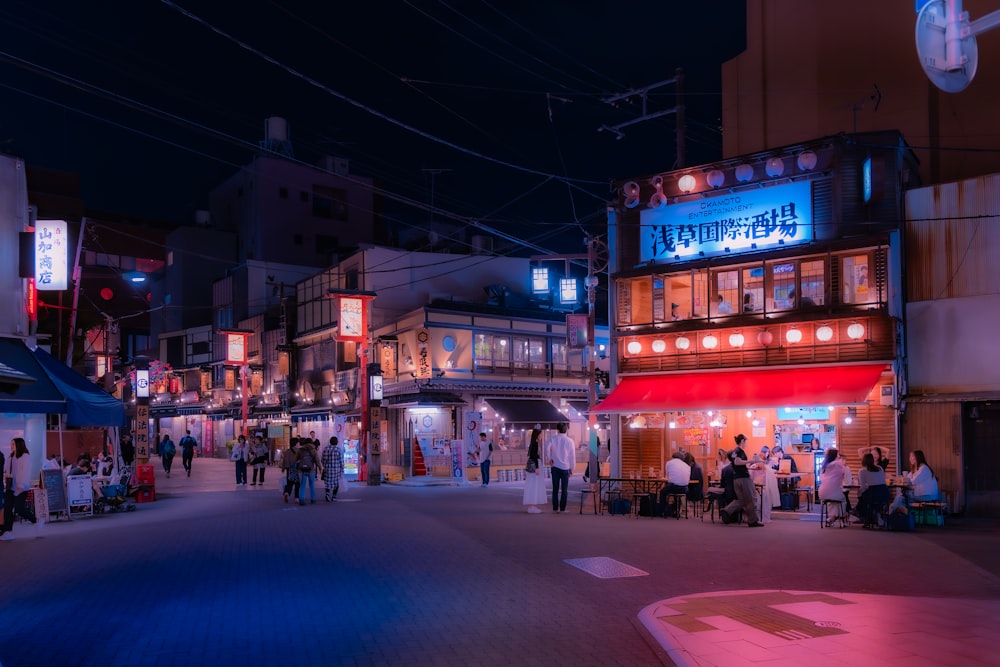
<point>76,294</point>
<point>643,95</point>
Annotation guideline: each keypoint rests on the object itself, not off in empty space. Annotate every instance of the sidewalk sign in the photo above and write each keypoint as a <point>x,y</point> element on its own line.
<point>55,493</point>
<point>80,494</point>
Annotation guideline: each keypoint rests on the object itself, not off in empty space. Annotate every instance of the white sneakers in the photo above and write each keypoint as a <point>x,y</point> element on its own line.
<point>534,510</point>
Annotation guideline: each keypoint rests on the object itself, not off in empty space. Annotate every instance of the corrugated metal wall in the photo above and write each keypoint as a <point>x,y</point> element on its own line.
<point>953,226</point>
<point>936,428</point>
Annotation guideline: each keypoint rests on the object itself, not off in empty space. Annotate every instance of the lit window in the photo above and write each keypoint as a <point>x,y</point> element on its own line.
<point>540,280</point>
<point>567,290</point>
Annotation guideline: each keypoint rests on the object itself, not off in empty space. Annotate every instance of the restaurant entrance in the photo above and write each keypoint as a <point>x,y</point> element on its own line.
<point>981,464</point>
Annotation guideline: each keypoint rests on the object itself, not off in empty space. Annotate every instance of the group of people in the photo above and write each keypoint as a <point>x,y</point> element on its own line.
<point>168,450</point>
<point>873,489</point>
<point>300,464</point>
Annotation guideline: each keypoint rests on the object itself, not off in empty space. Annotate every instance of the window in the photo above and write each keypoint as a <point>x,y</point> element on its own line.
<point>856,279</point>
<point>752,300</point>
<point>352,279</point>
<point>483,350</point>
<point>781,290</point>
<point>528,353</point>
<point>501,351</point>
<point>813,282</point>
<point>329,203</point>
<point>726,295</point>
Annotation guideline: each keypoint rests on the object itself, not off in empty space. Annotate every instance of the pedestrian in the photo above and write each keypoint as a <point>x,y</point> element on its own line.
<point>534,483</point>
<point>240,456</point>
<point>307,461</point>
<point>188,445</point>
<point>127,450</point>
<point>746,495</point>
<point>484,456</point>
<point>17,480</point>
<point>289,463</point>
<point>561,456</point>
<point>333,468</point>
<point>259,454</point>
<point>167,451</point>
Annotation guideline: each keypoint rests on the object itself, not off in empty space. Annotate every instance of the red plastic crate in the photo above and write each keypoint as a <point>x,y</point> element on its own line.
<point>144,474</point>
<point>145,496</point>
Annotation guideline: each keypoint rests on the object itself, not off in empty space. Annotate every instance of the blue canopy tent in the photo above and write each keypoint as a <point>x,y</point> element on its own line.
<point>86,403</point>
<point>27,388</point>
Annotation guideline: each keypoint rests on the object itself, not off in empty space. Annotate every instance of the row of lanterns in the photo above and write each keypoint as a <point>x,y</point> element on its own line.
<point>824,333</point>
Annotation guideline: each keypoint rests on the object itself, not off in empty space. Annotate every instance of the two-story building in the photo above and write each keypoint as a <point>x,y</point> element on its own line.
<point>759,295</point>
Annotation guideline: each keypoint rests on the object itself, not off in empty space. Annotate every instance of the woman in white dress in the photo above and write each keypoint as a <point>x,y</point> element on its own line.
<point>534,483</point>
<point>831,483</point>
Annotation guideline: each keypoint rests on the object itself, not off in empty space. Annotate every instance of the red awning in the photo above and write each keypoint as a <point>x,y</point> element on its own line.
<point>758,388</point>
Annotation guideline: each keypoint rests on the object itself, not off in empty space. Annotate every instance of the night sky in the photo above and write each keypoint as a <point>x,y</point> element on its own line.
<point>155,102</point>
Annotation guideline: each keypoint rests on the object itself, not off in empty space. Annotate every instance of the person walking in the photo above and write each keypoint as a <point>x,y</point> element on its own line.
<point>240,456</point>
<point>333,468</point>
<point>484,456</point>
<point>167,451</point>
<point>188,445</point>
<point>561,459</point>
<point>127,450</point>
<point>746,495</point>
<point>17,482</point>
<point>307,461</point>
<point>259,454</point>
<point>289,464</point>
<point>534,483</point>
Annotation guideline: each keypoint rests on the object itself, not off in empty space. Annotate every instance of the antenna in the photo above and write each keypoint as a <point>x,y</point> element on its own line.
<point>946,43</point>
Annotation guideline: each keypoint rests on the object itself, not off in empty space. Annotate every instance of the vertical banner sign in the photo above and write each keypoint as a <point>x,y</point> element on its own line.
<point>576,331</point>
<point>142,432</point>
<point>388,360</point>
<point>352,319</point>
<point>51,255</point>
<point>423,353</point>
<point>473,426</point>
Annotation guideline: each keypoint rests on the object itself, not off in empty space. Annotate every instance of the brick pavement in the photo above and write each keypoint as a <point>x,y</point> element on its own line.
<point>212,574</point>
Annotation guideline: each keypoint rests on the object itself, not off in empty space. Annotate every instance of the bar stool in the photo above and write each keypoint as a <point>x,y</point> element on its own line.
<point>808,490</point>
<point>824,513</point>
<point>676,501</point>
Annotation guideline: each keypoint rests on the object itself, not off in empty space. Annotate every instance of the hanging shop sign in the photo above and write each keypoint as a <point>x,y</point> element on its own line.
<point>51,255</point>
<point>728,223</point>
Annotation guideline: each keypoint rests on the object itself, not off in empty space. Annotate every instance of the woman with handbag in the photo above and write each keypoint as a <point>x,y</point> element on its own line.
<point>534,483</point>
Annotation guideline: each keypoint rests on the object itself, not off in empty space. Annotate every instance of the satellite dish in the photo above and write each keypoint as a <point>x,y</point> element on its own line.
<point>951,74</point>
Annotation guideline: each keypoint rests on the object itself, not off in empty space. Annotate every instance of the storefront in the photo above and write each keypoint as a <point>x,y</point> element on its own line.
<point>759,295</point>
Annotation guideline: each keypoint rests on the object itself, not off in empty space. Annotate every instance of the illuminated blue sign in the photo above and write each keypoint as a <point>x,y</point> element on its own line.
<point>808,414</point>
<point>728,223</point>
<point>866,179</point>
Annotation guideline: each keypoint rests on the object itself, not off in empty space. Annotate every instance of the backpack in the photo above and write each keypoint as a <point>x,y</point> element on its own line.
<point>169,448</point>
<point>306,461</point>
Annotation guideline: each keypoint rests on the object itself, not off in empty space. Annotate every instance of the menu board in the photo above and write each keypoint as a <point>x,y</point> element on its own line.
<point>55,491</point>
<point>80,495</point>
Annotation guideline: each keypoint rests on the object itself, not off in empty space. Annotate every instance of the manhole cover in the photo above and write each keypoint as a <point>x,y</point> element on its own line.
<point>603,567</point>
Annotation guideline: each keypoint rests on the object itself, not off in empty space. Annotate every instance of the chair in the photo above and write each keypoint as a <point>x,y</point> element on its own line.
<point>710,504</point>
<point>592,492</point>
<point>824,513</point>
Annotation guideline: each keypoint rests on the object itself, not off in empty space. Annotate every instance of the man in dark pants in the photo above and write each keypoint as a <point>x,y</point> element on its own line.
<point>187,444</point>
<point>559,452</point>
<point>746,495</point>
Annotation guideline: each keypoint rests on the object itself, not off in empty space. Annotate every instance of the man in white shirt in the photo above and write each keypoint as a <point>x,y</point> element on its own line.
<point>561,457</point>
<point>678,477</point>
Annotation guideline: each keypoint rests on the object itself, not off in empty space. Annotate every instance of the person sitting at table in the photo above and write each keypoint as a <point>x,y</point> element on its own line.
<point>831,483</point>
<point>696,487</point>
<point>725,490</point>
<point>873,491</point>
<point>920,475</point>
<point>881,460</point>
<point>786,484</point>
<point>678,476</point>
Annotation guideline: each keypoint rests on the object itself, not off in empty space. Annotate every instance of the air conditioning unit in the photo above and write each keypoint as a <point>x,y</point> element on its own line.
<point>887,395</point>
